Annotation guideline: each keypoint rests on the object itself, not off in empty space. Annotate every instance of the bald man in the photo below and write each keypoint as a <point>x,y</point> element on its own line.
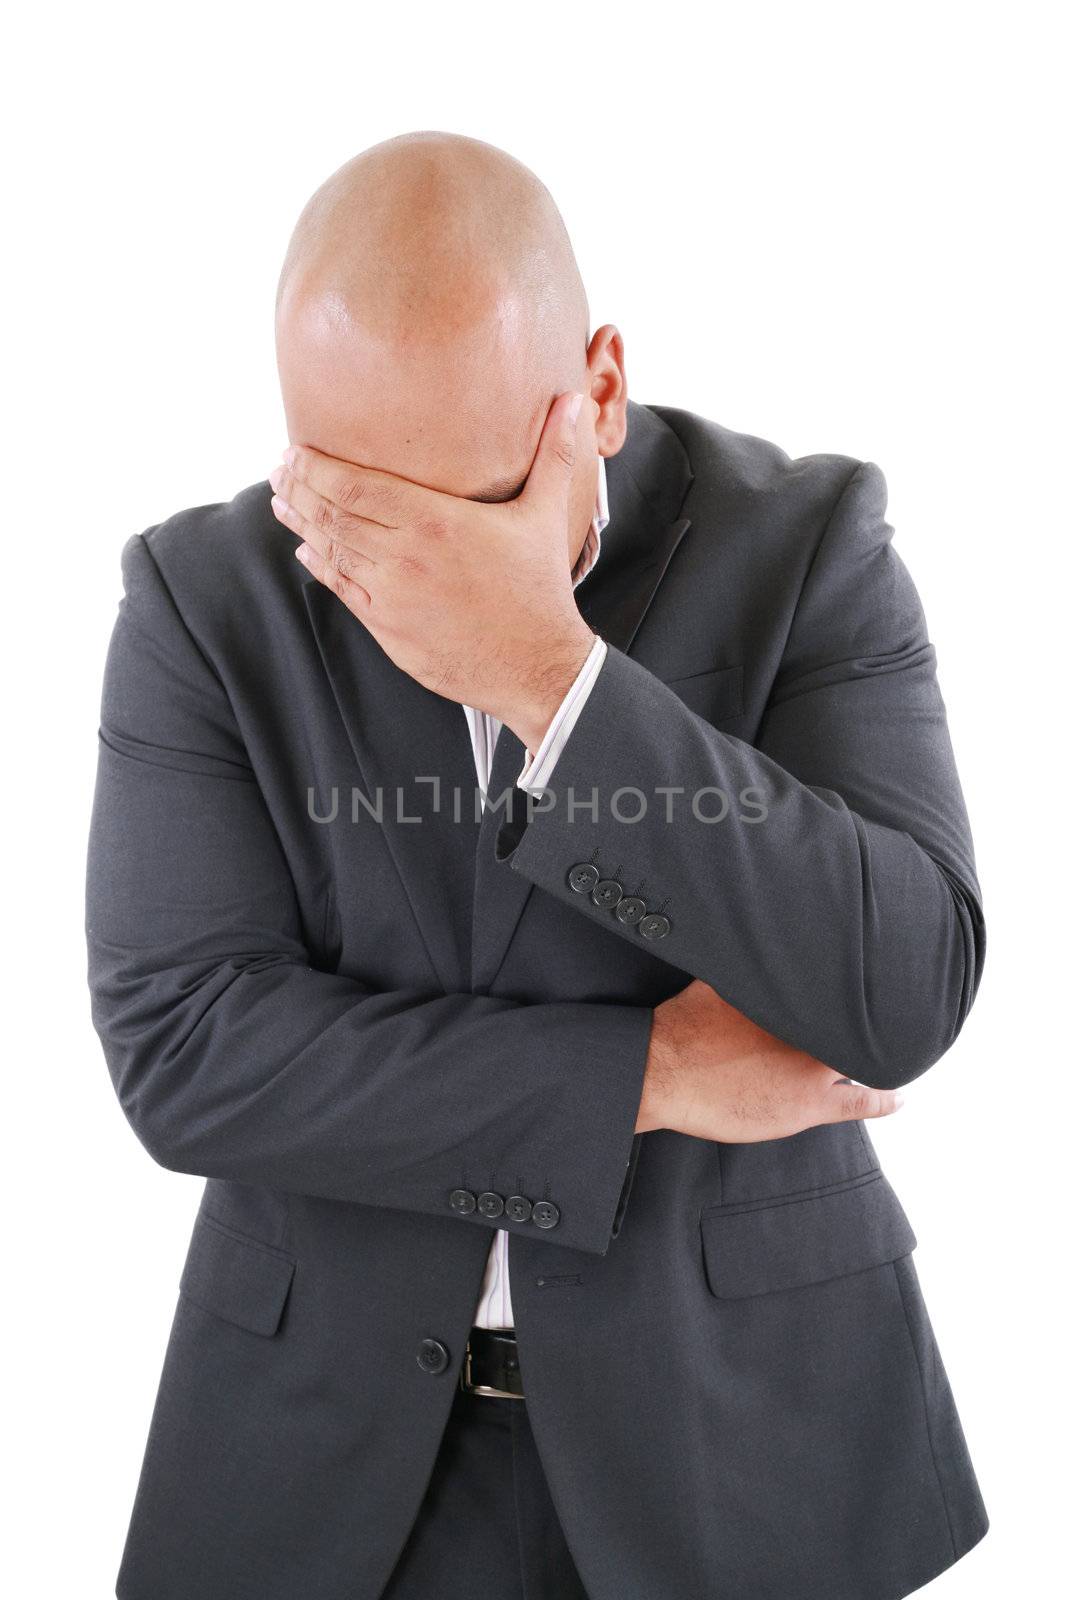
<point>527,851</point>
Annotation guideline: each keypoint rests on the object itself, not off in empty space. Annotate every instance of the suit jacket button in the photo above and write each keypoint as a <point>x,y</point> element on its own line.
<point>518,1208</point>
<point>432,1356</point>
<point>462,1200</point>
<point>654,926</point>
<point>607,893</point>
<point>630,910</point>
<point>583,877</point>
<point>490,1204</point>
<point>545,1214</point>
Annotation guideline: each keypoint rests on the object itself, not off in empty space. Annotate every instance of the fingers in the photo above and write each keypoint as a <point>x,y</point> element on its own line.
<point>334,552</point>
<point>309,515</point>
<point>382,498</point>
<point>353,594</point>
<point>371,494</point>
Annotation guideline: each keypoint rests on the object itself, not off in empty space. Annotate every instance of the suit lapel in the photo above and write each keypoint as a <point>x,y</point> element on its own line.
<point>647,485</point>
<point>400,732</point>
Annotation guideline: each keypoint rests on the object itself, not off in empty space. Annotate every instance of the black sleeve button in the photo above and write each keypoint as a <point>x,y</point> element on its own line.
<point>518,1208</point>
<point>462,1200</point>
<point>583,877</point>
<point>654,926</point>
<point>432,1356</point>
<point>630,910</point>
<point>545,1214</point>
<point>607,893</point>
<point>490,1204</point>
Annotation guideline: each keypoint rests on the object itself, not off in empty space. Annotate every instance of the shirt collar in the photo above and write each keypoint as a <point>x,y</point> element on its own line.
<point>590,551</point>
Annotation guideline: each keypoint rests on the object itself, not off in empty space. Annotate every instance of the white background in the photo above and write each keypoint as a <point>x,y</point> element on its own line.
<point>833,226</point>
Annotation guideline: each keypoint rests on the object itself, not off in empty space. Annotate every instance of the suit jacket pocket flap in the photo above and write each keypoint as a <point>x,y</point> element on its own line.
<point>780,1244</point>
<point>237,1278</point>
<point>715,695</point>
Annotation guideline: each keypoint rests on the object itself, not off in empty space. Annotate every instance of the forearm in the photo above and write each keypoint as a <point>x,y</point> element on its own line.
<point>834,931</point>
<point>233,1056</point>
<point>260,1069</point>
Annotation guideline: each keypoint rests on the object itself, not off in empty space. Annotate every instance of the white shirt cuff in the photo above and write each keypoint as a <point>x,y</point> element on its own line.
<point>538,769</point>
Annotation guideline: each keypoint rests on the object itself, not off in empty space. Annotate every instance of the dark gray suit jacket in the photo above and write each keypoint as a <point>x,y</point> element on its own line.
<point>729,1366</point>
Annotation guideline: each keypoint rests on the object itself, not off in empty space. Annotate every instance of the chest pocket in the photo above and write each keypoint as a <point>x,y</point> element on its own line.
<point>777,1244</point>
<point>715,695</point>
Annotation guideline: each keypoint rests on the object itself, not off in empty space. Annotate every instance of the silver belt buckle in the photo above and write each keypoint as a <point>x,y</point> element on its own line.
<point>482,1388</point>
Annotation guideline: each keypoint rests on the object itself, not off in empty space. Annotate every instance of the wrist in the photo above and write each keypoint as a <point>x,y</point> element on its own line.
<point>660,1068</point>
<point>559,662</point>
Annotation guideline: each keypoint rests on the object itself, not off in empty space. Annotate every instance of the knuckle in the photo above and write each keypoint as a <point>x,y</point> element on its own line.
<point>323,516</point>
<point>350,492</point>
<point>854,1104</point>
<point>336,558</point>
<point>339,581</point>
<point>409,565</point>
<point>433,527</point>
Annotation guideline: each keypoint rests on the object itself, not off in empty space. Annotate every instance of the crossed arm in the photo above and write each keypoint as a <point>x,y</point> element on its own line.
<point>847,924</point>
<point>845,920</point>
<point>233,1057</point>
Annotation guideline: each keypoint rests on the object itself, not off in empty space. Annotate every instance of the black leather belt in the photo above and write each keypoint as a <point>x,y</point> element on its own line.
<point>491,1364</point>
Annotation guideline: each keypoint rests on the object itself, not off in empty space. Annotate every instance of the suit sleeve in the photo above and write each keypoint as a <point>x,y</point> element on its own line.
<point>233,1057</point>
<point>822,879</point>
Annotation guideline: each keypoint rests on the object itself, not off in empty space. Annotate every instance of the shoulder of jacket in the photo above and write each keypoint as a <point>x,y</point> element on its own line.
<point>736,464</point>
<point>222,558</point>
<point>221,538</point>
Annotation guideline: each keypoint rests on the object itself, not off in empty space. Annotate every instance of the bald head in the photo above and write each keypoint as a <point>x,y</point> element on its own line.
<point>441,230</point>
<point>429,309</point>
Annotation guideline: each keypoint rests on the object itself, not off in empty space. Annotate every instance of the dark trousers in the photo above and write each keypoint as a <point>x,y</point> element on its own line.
<point>487,1528</point>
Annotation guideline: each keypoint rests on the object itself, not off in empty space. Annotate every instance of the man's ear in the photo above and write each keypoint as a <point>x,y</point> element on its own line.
<point>605,359</point>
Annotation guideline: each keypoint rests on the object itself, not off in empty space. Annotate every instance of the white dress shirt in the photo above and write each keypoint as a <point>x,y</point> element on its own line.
<point>494,1307</point>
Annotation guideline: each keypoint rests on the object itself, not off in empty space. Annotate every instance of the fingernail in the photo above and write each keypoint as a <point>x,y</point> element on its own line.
<point>574,405</point>
<point>301,554</point>
<point>280,506</point>
<point>898,1099</point>
<point>289,456</point>
<point>275,478</point>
